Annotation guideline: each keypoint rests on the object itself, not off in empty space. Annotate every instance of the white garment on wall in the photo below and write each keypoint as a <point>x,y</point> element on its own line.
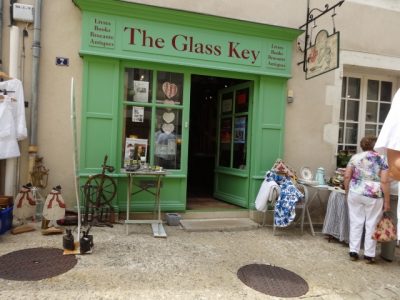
<point>12,118</point>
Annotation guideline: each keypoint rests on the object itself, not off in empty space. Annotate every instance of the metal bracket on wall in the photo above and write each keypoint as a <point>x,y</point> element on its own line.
<point>310,18</point>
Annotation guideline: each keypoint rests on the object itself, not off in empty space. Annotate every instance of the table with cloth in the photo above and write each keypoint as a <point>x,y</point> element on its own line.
<point>336,222</point>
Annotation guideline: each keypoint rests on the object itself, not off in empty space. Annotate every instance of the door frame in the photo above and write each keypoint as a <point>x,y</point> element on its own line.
<point>232,184</point>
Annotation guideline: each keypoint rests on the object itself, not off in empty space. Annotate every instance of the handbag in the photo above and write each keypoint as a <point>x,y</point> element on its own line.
<point>385,230</point>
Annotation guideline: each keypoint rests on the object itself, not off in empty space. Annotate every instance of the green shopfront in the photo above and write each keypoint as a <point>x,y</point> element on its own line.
<point>201,96</point>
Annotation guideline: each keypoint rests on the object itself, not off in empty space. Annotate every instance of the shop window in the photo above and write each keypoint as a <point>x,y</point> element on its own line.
<point>139,85</point>
<point>365,103</point>
<point>233,129</point>
<point>137,133</point>
<point>167,138</point>
<point>169,88</point>
<point>152,123</point>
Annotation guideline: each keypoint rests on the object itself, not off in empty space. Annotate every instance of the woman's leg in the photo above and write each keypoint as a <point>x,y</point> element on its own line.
<point>373,213</point>
<point>356,218</point>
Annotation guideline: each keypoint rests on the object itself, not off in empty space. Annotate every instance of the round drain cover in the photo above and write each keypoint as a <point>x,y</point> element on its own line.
<point>273,281</point>
<point>35,264</point>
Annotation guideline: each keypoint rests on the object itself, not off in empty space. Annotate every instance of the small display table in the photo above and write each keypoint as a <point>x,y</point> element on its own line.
<point>145,186</point>
<point>336,222</point>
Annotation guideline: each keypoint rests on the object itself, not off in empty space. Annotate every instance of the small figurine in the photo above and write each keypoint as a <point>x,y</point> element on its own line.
<point>53,210</point>
<point>24,208</point>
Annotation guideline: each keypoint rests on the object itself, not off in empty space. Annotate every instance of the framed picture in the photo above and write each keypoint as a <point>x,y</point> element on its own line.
<point>240,130</point>
<point>137,114</point>
<point>226,105</point>
<point>135,149</point>
<point>140,91</point>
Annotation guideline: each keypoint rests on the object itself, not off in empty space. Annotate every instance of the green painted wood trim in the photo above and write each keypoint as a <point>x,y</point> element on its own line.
<point>267,49</point>
<point>183,18</point>
<point>99,108</point>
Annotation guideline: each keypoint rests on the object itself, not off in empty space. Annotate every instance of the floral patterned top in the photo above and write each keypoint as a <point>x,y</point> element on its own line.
<point>365,179</point>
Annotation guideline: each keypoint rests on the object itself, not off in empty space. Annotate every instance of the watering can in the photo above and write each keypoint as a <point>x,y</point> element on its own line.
<point>320,176</point>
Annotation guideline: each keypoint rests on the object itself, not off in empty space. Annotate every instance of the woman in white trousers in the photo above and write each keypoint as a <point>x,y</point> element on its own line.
<point>367,189</point>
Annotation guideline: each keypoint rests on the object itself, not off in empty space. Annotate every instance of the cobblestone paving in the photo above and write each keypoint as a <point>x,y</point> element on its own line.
<point>200,265</point>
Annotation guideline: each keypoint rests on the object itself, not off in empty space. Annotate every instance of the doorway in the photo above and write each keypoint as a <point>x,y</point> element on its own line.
<point>203,142</point>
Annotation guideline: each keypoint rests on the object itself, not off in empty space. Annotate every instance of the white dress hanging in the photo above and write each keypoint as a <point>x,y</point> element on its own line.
<point>12,118</point>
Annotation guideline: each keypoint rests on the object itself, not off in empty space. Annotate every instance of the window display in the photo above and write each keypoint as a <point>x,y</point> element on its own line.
<point>167,140</point>
<point>169,88</point>
<point>152,131</point>
<point>138,85</point>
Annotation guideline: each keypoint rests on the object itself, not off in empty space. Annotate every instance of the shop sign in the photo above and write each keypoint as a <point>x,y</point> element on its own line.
<point>323,56</point>
<point>102,32</point>
<point>156,41</point>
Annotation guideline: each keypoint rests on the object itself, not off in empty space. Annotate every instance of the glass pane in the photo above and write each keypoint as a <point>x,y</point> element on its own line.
<point>167,138</point>
<point>242,101</point>
<point>370,129</point>
<point>341,125</point>
<point>169,88</point>
<point>354,88</point>
<point>383,111</point>
<point>351,133</point>
<point>371,114</point>
<point>226,103</point>
<point>225,142</point>
<point>240,142</point>
<point>344,87</point>
<point>137,132</point>
<point>386,91</point>
<point>342,108</point>
<point>352,110</point>
<point>373,90</point>
<point>138,84</point>
<point>351,149</point>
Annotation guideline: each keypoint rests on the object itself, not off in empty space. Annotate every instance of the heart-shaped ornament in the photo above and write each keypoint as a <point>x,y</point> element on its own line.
<point>168,117</point>
<point>168,128</point>
<point>170,89</point>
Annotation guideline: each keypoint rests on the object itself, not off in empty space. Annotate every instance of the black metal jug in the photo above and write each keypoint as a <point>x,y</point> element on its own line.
<point>68,240</point>
<point>86,242</point>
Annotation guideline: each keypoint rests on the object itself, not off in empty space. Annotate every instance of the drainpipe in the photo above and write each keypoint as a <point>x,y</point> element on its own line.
<point>33,148</point>
<point>10,181</point>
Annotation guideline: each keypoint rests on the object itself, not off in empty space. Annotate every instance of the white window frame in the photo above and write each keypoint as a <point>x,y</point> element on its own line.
<point>363,102</point>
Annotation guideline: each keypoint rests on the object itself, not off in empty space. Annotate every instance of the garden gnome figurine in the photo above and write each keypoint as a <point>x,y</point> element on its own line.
<point>53,210</point>
<point>24,208</point>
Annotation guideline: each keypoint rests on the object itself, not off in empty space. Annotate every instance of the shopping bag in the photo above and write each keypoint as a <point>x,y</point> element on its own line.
<point>385,230</point>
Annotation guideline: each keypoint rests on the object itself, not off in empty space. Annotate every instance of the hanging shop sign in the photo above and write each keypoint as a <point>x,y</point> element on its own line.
<point>323,56</point>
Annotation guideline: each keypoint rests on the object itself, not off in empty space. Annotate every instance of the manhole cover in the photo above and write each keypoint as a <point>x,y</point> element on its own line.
<point>35,264</point>
<point>273,281</point>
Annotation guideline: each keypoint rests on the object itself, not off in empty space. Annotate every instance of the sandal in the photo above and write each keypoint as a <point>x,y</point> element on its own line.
<point>369,259</point>
<point>353,256</point>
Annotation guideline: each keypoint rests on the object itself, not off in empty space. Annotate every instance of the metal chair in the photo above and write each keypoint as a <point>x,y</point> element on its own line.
<point>300,205</point>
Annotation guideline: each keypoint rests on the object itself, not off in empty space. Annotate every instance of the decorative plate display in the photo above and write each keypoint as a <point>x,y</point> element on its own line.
<point>306,174</point>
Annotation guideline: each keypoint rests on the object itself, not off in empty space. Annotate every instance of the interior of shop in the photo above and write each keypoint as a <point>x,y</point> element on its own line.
<point>203,141</point>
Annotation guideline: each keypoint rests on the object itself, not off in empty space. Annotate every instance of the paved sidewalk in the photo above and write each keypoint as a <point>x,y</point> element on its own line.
<point>200,265</point>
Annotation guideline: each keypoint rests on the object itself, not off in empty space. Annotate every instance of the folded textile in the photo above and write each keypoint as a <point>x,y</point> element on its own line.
<point>267,193</point>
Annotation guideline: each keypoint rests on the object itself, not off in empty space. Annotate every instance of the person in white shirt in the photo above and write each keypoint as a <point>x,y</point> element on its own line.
<point>388,142</point>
